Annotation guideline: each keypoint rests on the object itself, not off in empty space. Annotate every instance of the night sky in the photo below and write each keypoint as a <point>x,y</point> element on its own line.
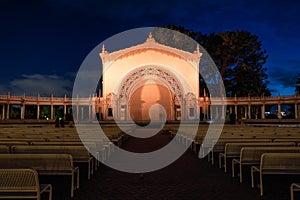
<point>43,43</point>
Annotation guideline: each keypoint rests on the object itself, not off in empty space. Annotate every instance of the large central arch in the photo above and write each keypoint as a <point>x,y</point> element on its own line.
<point>149,81</point>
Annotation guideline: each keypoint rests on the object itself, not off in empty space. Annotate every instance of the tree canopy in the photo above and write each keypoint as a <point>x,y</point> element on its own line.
<point>239,57</point>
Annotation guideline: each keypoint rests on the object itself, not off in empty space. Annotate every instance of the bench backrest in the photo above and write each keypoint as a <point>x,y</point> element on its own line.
<point>253,154</point>
<point>297,140</point>
<point>91,146</point>
<point>79,153</point>
<point>11,143</point>
<point>235,148</point>
<point>19,180</point>
<point>220,144</point>
<point>4,149</point>
<point>98,141</point>
<point>27,140</point>
<point>37,161</point>
<point>280,161</point>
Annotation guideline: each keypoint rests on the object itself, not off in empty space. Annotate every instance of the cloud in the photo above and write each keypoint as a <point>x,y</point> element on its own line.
<point>283,76</point>
<point>42,84</point>
<point>286,73</point>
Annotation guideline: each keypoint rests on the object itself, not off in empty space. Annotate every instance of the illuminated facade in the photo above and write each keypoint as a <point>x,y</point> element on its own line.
<point>138,79</point>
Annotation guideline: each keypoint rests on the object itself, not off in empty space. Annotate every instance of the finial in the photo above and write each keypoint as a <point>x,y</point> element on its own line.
<point>150,38</point>
<point>197,48</point>
<point>103,48</point>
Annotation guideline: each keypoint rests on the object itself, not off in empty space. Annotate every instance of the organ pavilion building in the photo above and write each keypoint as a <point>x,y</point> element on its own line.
<point>148,80</point>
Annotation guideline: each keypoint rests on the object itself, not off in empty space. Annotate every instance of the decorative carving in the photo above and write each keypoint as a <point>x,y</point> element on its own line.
<point>148,71</point>
<point>191,99</point>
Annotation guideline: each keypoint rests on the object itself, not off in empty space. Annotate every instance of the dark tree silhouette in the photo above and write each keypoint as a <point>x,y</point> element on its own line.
<point>239,57</point>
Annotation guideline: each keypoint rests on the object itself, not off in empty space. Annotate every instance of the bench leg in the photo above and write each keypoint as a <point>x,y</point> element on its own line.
<point>241,173</point>
<point>232,167</point>
<point>212,158</point>
<point>292,191</point>
<point>209,157</point>
<point>225,164</point>
<point>252,177</point>
<point>72,186</point>
<point>220,160</point>
<point>78,178</point>
<point>294,187</point>
<point>50,192</point>
<point>261,184</point>
<point>89,169</point>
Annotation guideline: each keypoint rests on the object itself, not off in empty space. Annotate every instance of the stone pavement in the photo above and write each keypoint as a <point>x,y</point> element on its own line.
<point>187,178</point>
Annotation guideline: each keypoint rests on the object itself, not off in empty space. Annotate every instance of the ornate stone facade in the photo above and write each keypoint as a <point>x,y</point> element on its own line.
<point>168,70</point>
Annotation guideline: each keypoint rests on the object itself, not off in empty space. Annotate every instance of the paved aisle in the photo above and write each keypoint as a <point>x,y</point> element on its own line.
<point>187,178</point>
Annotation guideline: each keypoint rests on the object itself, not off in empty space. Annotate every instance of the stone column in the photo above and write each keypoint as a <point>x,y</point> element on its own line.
<point>279,111</point>
<point>3,111</point>
<point>183,110</point>
<point>93,111</point>
<point>172,111</point>
<point>249,111</point>
<point>7,111</point>
<point>235,111</point>
<point>116,109</point>
<point>65,111</point>
<point>296,111</point>
<point>223,112</point>
<point>22,111</point>
<point>38,112</point>
<point>90,112</point>
<point>52,112</point>
<point>263,110</point>
<point>77,112</point>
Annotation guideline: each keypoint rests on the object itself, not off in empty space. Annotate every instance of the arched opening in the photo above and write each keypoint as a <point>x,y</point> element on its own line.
<point>147,95</point>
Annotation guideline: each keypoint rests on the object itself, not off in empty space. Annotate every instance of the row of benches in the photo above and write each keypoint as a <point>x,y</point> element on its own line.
<point>44,164</point>
<point>264,156</point>
<point>53,158</point>
<point>44,152</point>
<point>80,154</point>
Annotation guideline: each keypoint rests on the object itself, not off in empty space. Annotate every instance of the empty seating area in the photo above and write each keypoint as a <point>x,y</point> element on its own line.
<point>52,152</point>
<point>248,155</point>
<point>252,155</point>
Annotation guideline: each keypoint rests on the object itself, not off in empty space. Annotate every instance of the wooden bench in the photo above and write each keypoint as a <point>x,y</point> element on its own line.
<point>232,150</point>
<point>276,164</point>
<point>297,140</point>
<point>79,153</point>
<point>251,156</point>
<point>4,149</point>
<point>219,146</point>
<point>293,188</point>
<point>12,142</point>
<point>91,146</point>
<point>100,145</point>
<point>50,164</point>
<point>22,184</point>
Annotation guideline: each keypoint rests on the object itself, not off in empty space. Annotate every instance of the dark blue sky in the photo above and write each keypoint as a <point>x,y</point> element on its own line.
<point>43,43</point>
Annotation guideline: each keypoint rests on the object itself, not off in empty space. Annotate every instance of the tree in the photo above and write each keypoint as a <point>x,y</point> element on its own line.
<point>239,57</point>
